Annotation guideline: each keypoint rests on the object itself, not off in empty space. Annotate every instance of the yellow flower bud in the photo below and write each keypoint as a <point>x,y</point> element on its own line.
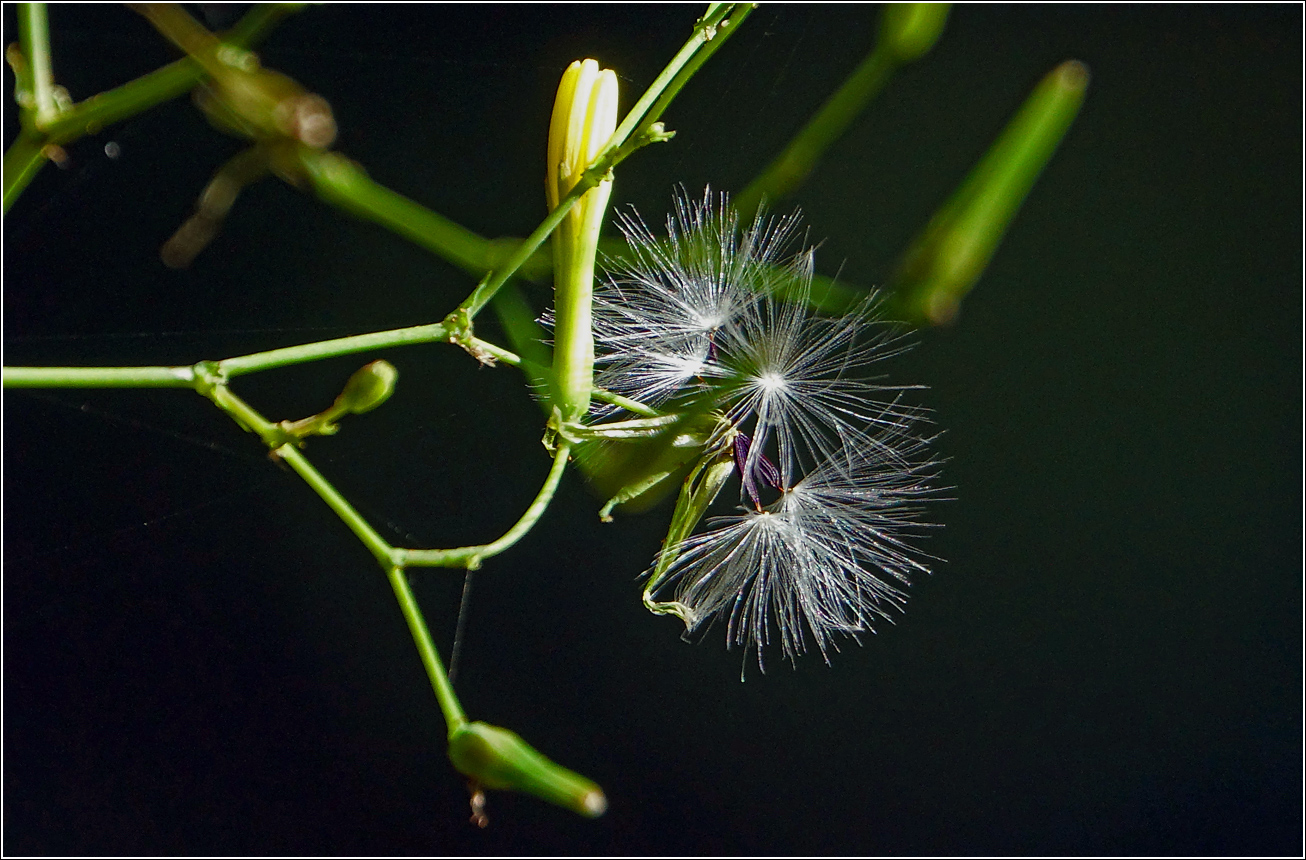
<point>584,118</point>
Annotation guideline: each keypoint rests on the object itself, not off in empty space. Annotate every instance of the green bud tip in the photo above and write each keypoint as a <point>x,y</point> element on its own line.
<point>909,30</point>
<point>498,758</point>
<point>369,387</point>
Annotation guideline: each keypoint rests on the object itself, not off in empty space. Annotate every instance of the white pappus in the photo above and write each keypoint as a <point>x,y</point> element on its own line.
<point>833,468</point>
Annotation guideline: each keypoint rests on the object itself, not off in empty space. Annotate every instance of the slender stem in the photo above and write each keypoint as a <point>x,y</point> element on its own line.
<point>486,290</point>
<point>289,355</point>
<point>376,544</point>
<point>712,31</point>
<point>340,182</point>
<point>625,402</point>
<point>23,160</point>
<point>454,717</point>
<point>655,98</point>
<point>99,377</point>
<point>498,352</point>
<point>470,557</point>
<point>829,123</point>
<point>25,156</point>
<point>34,36</point>
<point>631,133</point>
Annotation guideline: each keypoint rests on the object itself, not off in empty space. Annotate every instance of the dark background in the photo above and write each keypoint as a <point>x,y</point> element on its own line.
<point>198,658</point>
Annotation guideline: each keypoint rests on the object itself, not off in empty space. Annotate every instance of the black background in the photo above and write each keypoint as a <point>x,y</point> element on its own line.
<point>198,658</point>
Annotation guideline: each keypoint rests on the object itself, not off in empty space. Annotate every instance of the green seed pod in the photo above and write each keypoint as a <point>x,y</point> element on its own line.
<point>498,758</point>
<point>369,387</point>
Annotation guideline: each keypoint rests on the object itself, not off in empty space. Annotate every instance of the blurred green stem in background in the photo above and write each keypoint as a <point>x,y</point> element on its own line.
<point>907,31</point>
<point>947,258</point>
<point>45,127</point>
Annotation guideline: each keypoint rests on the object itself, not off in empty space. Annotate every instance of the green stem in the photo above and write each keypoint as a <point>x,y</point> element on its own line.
<point>793,165</point>
<point>241,365</point>
<point>471,557</point>
<point>344,184</point>
<point>23,160</point>
<point>34,36</point>
<point>631,134</point>
<point>454,717</point>
<point>375,544</point>
<point>99,377</point>
<point>25,157</point>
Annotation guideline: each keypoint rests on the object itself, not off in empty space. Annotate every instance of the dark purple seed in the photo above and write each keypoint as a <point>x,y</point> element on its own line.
<point>764,471</point>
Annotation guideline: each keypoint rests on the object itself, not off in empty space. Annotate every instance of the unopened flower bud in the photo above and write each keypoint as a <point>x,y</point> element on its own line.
<point>369,387</point>
<point>584,118</point>
<point>500,759</point>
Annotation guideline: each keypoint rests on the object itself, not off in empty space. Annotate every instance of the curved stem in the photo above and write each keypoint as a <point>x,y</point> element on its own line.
<point>470,557</point>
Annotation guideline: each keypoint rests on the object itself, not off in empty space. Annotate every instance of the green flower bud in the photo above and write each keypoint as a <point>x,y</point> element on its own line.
<point>369,387</point>
<point>500,759</point>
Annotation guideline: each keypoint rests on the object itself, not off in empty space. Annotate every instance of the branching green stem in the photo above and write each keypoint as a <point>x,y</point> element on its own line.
<point>454,716</point>
<point>635,131</point>
<point>27,154</point>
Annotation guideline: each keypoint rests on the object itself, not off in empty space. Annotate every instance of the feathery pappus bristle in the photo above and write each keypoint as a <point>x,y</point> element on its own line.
<point>833,468</point>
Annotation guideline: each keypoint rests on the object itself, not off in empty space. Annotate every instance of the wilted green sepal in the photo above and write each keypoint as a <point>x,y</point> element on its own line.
<point>500,759</point>
<point>369,387</point>
<point>636,473</point>
<point>700,489</point>
<point>953,250</point>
